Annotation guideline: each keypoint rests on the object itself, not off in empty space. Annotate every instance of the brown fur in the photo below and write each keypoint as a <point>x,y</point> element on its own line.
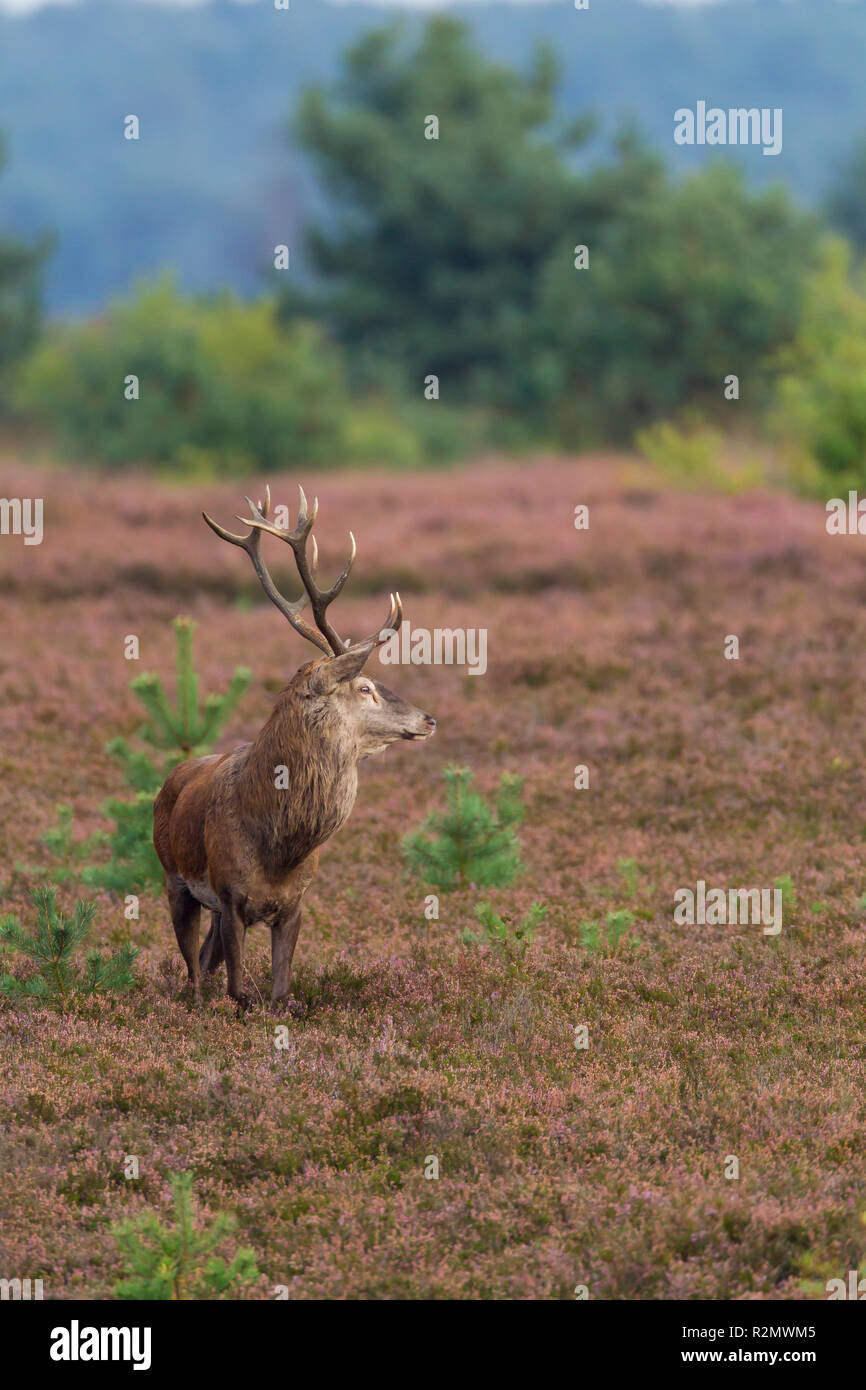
<point>229,839</point>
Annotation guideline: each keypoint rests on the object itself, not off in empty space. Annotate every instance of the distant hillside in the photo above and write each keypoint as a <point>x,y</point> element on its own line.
<point>213,184</point>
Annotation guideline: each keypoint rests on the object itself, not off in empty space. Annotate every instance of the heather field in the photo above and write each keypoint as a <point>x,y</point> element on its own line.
<point>559,1166</point>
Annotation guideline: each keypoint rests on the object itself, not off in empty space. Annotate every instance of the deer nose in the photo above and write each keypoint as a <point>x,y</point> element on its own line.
<point>430,721</point>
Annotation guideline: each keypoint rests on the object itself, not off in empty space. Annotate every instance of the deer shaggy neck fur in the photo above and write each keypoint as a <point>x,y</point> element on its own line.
<point>305,748</point>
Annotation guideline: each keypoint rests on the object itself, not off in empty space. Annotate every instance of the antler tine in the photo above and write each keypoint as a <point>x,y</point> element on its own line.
<point>252,545</point>
<point>297,539</point>
<point>327,639</point>
<point>303,519</point>
<point>392,624</point>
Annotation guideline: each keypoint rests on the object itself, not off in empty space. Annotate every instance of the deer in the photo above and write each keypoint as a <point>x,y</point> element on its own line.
<point>239,833</point>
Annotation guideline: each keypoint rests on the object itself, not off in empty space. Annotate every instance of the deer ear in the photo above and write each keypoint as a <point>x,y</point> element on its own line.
<point>341,668</point>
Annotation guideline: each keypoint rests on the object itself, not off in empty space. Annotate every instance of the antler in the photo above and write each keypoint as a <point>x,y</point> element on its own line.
<point>326,638</point>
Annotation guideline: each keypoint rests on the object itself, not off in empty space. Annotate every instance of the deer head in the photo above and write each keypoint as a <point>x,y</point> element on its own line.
<point>332,692</point>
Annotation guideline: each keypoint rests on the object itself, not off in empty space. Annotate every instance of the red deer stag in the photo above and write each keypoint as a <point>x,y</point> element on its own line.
<point>239,833</point>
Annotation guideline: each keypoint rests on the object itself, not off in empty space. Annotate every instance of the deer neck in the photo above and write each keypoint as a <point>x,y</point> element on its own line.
<point>298,786</point>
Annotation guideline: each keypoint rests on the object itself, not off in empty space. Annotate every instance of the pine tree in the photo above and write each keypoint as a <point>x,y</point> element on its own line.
<point>184,730</point>
<point>178,732</point>
<point>512,938</point>
<point>134,863</point>
<point>472,844</point>
<point>54,946</point>
<point>177,1262</point>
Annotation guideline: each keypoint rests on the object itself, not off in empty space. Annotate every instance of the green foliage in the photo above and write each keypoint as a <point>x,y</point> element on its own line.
<point>53,945</point>
<point>820,407</point>
<point>694,456</point>
<point>469,842</point>
<point>20,298</point>
<point>606,939</point>
<point>178,1261</point>
<point>133,864</point>
<point>187,728</point>
<point>846,204</point>
<point>629,871</point>
<point>685,278</point>
<point>822,1274</point>
<point>421,271</point>
<point>204,197</point>
<point>180,731</point>
<point>511,938</point>
<point>785,884</point>
<point>67,853</point>
<point>223,389</point>
<point>688,281</point>
<point>415,274</point>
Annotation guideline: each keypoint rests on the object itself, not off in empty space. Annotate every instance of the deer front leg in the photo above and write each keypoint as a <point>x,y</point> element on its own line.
<point>284,935</point>
<point>232,937</point>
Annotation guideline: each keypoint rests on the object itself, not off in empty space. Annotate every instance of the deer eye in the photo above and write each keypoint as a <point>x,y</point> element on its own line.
<point>366,690</point>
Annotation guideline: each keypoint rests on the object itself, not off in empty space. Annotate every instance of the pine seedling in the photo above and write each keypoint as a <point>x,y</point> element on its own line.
<point>181,731</point>
<point>134,863</point>
<point>606,939</point>
<point>630,873</point>
<point>177,1262</point>
<point>785,885</point>
<point>184,730</point>
<point>469,842</point>
<point>511,938</point>
<point>67,853</point>
<point>54,946</point>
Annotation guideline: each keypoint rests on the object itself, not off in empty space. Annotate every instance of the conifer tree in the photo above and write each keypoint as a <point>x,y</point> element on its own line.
<point>54,946</point>
<point>469,842</point>
<point>183,730</point>
<point>503,933</point>
<point>178,1262</point>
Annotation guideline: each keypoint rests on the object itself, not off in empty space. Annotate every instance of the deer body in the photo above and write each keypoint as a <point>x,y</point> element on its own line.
<point>239,833</point>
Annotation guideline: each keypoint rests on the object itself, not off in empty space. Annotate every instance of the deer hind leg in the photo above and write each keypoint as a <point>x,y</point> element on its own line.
<point>284,935</point>
<point>185,918</point>
<point>232,937</point>
<point>211,954</point>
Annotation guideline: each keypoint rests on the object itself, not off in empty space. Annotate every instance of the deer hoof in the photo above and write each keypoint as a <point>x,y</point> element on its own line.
<point>192,992</point>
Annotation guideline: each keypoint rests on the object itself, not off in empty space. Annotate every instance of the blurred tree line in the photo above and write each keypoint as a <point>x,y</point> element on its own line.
<point>20,299</point>
<point>477,241</point>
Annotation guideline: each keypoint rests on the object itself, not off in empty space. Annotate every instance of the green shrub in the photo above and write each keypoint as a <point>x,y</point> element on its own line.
<point>819,412</point>
<point>693,454</point>
<point>785,885</point>
<point>606,938</point>
<point>182,731</point>
<point>223,387</point>
<point>178,1262</point>
<point>54,944</point>
<point>503,934</point>
<point>473,843</point>
<point>21,272</point>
